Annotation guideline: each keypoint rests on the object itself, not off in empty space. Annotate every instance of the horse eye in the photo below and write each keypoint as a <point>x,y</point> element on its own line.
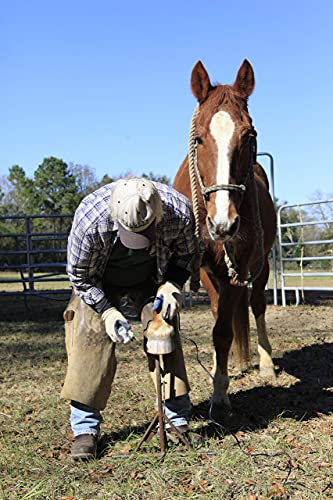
<point>198,139</point>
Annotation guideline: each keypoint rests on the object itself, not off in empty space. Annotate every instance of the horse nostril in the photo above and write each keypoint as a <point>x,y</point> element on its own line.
<point>234,226</point>
<point>210,222</point>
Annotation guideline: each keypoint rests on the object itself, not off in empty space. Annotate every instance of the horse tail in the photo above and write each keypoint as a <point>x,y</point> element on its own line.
<point>241,330</point>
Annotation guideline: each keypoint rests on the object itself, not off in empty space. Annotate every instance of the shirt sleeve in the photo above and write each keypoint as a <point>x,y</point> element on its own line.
<point>82,257</point>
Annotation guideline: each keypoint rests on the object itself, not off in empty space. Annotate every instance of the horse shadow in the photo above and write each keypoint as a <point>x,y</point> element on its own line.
<point>253,409</point>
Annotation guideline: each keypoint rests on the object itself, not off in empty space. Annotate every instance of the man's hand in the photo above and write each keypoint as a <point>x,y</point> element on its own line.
<point>168,300</point>
<point>116,326</point>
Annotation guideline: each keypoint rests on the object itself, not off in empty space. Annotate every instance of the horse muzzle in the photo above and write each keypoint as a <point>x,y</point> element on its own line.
<point>219,231</point>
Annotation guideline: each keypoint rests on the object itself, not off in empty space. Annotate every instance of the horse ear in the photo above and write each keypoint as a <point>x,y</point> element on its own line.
<point>200,82</point>
<point>244,82</point>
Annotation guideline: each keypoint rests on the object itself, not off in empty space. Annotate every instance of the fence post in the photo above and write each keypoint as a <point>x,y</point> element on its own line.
<point>29,255</point>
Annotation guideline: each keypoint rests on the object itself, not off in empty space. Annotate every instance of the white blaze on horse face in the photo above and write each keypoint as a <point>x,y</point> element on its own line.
<point>222,129</point>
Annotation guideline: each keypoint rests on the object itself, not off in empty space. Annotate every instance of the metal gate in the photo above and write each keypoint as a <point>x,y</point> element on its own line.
<point>33,252</point>
<point>304,251</point>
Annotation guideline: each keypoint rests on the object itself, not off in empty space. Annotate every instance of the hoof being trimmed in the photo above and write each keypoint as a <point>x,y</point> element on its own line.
<point>160,336</point>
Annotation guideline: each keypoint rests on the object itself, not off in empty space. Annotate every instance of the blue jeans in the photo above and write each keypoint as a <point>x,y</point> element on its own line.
<point>87,420</point>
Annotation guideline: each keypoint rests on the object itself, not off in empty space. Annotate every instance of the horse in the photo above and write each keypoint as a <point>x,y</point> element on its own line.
<point>235,219</point>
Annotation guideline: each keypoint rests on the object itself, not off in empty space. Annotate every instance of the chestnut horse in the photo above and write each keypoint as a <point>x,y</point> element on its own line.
<point>235,213</point>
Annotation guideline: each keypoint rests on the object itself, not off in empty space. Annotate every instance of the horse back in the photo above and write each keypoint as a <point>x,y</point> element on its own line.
<point>261,175</point>
<point>182,182</point>
<point>266,206</point>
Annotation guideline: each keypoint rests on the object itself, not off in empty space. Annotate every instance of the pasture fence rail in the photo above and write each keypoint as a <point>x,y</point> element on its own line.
<point>33,251</point>
<point>298,241</point>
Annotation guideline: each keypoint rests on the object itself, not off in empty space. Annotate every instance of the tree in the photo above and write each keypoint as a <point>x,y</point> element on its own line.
<point>20,195</point>
<point>85,178</point>
<point>55,189</point>
<point>157,178</point>
<point>106,179</point>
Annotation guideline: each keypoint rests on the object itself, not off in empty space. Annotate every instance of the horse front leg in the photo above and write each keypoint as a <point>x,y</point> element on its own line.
<point>258,306</point>
<point>211,290</point>
<point>222,339</point>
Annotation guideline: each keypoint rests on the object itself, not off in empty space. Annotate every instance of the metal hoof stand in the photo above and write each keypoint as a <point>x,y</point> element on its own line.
<point>159,419</point>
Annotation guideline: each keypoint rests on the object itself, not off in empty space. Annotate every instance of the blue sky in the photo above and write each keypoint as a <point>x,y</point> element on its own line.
<point>107,83</point>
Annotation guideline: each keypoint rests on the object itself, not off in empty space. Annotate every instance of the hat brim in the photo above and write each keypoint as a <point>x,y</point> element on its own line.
<point>136,241</point>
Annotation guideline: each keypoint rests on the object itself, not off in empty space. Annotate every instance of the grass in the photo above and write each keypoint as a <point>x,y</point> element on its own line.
<point>294,453</point>
<point>64,284</point>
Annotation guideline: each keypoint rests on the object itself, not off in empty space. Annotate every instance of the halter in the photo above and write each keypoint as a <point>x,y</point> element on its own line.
<point>205,191</point>
<point>193,159</point>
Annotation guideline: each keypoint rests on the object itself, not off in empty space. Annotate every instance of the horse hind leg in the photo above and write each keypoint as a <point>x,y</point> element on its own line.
<point>258,306</point>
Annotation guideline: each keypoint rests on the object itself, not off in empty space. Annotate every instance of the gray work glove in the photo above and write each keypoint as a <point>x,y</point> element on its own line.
<point>116,326</point>
<point>168,300</point>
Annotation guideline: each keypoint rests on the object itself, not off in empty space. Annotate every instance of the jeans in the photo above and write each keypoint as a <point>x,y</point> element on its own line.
<point>87,420</point>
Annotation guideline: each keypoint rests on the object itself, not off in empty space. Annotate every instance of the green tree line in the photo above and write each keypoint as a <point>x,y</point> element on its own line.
<point>56,188</point>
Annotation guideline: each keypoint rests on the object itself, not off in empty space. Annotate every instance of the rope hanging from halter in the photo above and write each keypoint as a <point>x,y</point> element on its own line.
<point>195,277</point>
<point>192,158</point>
<point>205,191</point>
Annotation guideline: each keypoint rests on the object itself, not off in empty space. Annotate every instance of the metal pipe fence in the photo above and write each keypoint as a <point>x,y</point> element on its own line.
<point>293,238</point>
<point>33,250</point>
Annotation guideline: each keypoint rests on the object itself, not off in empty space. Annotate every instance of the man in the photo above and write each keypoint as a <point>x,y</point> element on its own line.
<point>136,238</point>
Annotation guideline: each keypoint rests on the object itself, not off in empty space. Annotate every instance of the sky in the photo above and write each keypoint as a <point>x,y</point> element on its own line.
<point>107,83</point>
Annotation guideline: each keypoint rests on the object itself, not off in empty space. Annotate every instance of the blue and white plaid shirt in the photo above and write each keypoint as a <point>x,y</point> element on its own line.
<point>94,234</point>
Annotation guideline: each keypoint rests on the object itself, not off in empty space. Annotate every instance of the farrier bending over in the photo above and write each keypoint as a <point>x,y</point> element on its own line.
<point>136,238</point>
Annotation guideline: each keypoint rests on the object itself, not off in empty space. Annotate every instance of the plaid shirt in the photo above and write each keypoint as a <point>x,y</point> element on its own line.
<point>94,234</point>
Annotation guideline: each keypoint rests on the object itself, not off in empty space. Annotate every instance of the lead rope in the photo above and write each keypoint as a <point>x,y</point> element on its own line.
<point>192,158</point>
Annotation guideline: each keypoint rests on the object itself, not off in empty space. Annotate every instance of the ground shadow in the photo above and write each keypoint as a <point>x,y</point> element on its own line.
<point>254,408</point>
<point>33,308</point>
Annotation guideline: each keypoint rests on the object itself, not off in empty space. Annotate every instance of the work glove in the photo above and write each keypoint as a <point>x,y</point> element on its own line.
<point>168,300</point>
<point>116,326</point>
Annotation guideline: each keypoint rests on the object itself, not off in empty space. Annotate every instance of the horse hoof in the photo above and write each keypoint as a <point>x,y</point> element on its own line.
<point>161,346</point>
<point>220,412</point>
<point>268,373</point>
<point>160,336</point>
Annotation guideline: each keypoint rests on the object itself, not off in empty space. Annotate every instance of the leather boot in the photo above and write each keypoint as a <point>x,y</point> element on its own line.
<point>84,447</point>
